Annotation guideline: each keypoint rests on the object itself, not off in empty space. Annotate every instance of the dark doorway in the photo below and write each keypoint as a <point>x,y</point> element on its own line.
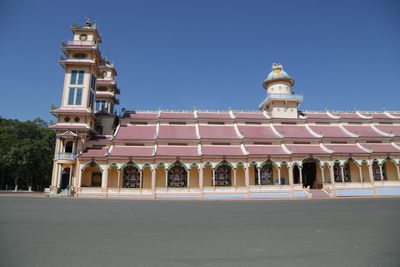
<point>69,146</point>
<point>296,175</point>
<point>308,172</point>
<point>65,178</point>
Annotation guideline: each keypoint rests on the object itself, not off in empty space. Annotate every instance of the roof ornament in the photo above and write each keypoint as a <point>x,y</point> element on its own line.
<point>277,66</point>
<point>88,23</point>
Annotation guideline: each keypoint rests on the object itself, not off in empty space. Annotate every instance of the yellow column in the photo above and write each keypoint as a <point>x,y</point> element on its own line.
<point>371,173</point>
<point>213,177</point>
<point>360,173</point>
<point>290,170</point>
<point>234,177</point>
<point>141,179</point>
<point>381,171</point>
<point>322,174</point>
<point>332,173</point>
<point>279,175</point>
<point>104,177</point>
<point>166,177</point>
<point>301,175</point>
<point>341,168</point>
<point>259,175</point>
<point>247,175</point>
<point>398,171</point>
<point>188,178</point>
<point>153,177</point>
<point>119,178</point>
<point>201,177</point>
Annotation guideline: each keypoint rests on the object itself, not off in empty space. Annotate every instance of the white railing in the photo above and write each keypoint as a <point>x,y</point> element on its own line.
<point>273,187</point>
<point>65,155</point>
<point>81,43</point>
<point>177,190</point>
<point>225,189</point>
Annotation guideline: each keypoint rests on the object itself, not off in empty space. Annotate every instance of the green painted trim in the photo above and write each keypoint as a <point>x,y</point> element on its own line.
<point>338,162</point>
<point>92,164</point>
<point>207,164</point>
<point>160,165</point>
<point>296,164</point>
<point>194,165</point>
<point>113,165</point>
<point>350,159</point>
<point>253,163</point>
<point>147,165</point>
<point>175,163</point>
<point>269,161</point>
<point>313,159</point>
<point>240,164</point>
<point>130,163</point>
<point>327,164</point>
<point>364,161</point>
<point>390,159</point>
<point>224,162</point>
<point>284,163</point>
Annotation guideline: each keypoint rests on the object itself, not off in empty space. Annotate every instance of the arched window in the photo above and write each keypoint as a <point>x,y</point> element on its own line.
<point>68,147</point>
<point>266,174</point>
<point>337,172</point>
<point>223,175</point>
<point>177,176</point>
<point>131,177</point>
<point>376,171</point>
<point>347,174</point>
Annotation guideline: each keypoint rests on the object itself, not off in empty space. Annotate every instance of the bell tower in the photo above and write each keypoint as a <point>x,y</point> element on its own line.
<point>75,116</point>
<point>280,102</point>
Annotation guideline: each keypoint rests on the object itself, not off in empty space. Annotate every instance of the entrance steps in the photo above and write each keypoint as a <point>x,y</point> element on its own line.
<point>318,193</point>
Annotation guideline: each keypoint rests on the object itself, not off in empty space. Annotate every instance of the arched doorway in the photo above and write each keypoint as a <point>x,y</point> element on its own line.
<point>65,178</point>
<point>309,172</point>
<point>296,174</point>
<point>177,175</point>
<point>131,176</point>
<point>223,175</point>
<point>267,173</point>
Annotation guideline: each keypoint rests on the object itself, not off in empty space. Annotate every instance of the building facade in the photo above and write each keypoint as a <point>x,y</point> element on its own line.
<point>278,151</point>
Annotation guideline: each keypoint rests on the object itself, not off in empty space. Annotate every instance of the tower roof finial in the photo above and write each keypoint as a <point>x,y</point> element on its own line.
<point>88,23</point>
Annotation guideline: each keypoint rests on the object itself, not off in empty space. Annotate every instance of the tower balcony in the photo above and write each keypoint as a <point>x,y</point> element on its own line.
<point>79,43</point>
<point>65,155</point>
<point>282,97</point>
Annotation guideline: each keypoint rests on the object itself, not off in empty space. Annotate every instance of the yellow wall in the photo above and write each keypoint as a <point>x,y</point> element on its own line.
<point>327,174</point>
<point>87,175</point>
<point>391,171</point>
<point>354,172</point>
<point>285,174</point>
<point>207,172</point>
<point>160,177</point>
<point>365,173</point>
<point>252,172</point>
<point>240,176</point>
<point>113,177</point>
<point>193,175</point>
<point>146,178</point>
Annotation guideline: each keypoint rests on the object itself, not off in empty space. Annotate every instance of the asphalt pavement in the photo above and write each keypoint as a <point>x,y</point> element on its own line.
<point>42,231</point>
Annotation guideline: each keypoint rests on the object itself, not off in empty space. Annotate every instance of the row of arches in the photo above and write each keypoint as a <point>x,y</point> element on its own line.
<point>309,173</point>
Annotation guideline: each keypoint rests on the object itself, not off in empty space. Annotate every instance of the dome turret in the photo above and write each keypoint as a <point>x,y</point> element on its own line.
<point>277,75</point>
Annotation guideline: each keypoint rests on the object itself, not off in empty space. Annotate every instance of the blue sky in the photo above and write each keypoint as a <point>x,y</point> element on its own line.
<point>344,55</point>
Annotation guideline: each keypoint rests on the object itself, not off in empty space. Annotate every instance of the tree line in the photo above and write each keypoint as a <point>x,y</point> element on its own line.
<point>26,154</point>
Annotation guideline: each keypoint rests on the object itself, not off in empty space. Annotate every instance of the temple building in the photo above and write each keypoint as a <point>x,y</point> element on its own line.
<point>278,151</point>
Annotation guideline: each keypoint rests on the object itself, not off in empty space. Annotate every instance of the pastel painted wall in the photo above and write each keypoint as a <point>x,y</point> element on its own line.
<point>87,175</point>
<point>240,176</point>
<point>207,172</point>
<point>160,177</point>
<point>146,178</point>
<point>193,177</point>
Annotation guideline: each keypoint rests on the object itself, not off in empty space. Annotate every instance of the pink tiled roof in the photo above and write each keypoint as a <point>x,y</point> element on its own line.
<point>390,129</point>
<point>213,115</point>
<point>381,148</point>
<point>345,149</point>
<point>376,115</point>
<point>137,132</point>
<point>131,151</point>
<point>70,111</point>
<point>292,131</point>
<point>347,115</point>
<point>257,132</point>
<point>250,115</point>
<point>218,132</point>
<point>177,115</point>
<point>222,151</point>
<point>69,127</point>
<point>322,115</point>
<point>177,132</point>
<point>363,131</point>
<point>306,149</point>
<point>265,150</point>
<point>94,153</point>
<point>142,116</point>
<point>184,151</point>
<point>329,131</point>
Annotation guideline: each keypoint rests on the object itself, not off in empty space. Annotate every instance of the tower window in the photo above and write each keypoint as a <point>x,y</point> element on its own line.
<point>75,96</point>
<point>93,82</point>
<point>77,76</point>
<point>100,104</point>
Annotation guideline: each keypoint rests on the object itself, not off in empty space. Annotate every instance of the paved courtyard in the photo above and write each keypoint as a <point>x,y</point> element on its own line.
<point>97,232</point>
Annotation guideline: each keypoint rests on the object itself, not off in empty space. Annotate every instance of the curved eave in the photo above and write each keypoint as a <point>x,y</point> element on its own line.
<point>278,79</point>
